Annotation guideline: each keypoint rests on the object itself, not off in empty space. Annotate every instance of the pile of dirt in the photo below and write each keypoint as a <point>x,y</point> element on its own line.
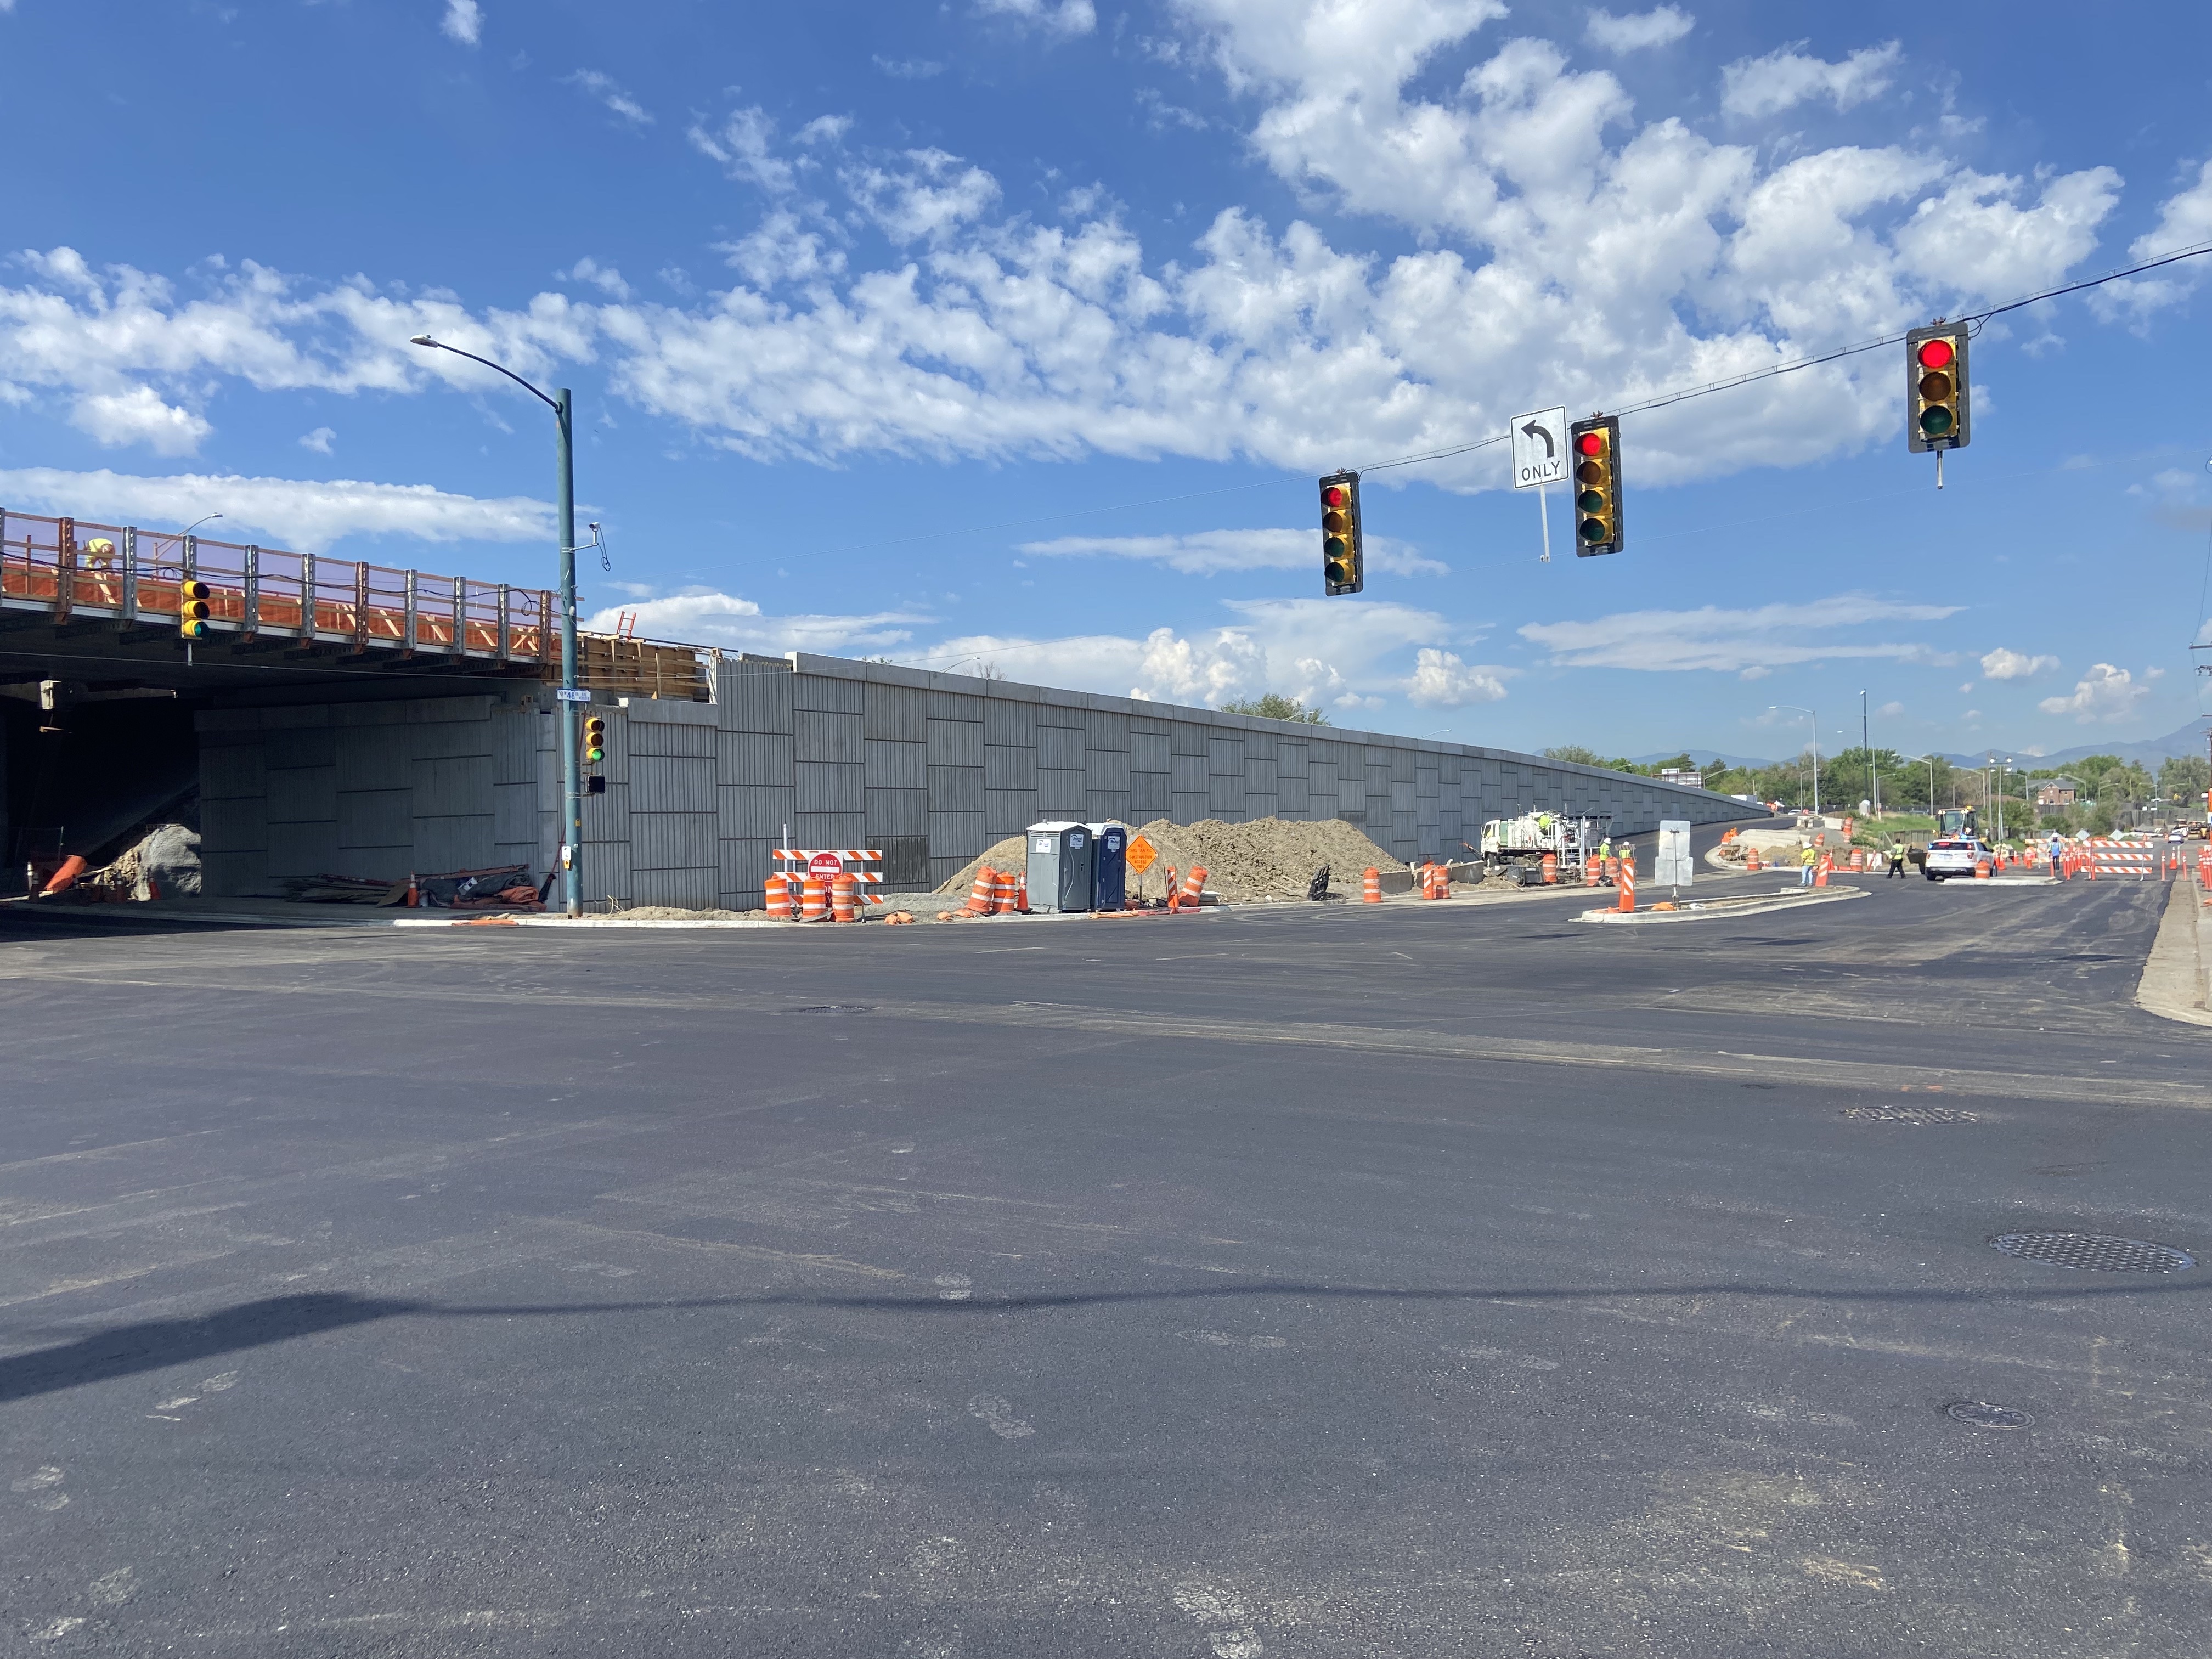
<point>1265,858</point>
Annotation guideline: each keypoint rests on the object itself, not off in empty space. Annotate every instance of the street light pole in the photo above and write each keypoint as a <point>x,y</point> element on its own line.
<point>572,786</point>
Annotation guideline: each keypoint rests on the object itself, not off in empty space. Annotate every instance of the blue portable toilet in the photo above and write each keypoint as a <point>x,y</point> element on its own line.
<point>1059,867</point>
<point>1110,865</point>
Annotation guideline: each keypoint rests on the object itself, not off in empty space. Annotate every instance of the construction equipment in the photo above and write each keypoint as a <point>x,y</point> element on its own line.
<point>1515,847</point>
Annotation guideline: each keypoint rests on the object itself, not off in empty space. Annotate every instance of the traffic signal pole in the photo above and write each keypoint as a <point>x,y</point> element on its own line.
<point>572,784</point>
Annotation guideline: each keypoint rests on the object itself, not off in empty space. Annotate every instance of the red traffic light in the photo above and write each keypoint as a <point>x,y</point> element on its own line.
<point>1936,354</point>
<point>1591,443</point>
<point>1335,495</point>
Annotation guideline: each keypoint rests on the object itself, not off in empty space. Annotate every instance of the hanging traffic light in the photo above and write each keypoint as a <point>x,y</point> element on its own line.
<point>595,738</point>
<point>193,608</point>
<point>1935,388</point>
<point>1594,444</point>
<point>1343,557</point>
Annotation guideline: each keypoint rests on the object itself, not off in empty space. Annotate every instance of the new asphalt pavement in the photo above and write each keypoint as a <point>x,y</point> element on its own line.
<point>1424,1280</point>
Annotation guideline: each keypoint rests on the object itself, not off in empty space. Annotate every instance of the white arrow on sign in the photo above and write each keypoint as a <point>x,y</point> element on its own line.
<point>1539,448</point>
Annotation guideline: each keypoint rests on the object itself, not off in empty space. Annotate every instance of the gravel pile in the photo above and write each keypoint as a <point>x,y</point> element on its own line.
<point>1266,859</point>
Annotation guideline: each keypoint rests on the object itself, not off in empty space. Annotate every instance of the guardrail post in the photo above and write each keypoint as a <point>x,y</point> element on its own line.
<point>458,646</point>
<point>306,596</point>
<point>360,607</point>
<point>130,574</point>
<point>65,567</point>
<point>503,623</point>
<point>250,622</point>
<point>412,613</point>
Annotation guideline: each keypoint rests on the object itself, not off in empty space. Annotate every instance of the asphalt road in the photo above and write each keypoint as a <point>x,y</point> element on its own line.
<point>1427,1281</point>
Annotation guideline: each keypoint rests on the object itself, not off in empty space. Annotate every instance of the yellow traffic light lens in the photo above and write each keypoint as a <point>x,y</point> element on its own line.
<point>1935,388</point>
<point>1589,472</point>
<point>1335,524</point>
<point>193,610</point>
<point>1936,422</point>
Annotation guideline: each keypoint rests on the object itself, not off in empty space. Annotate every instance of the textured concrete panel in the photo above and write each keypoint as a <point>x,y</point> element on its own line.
<point>756,814</point>
<point>1009,768</point>
<point>1059,749</point>
<point>753,697</point>
<point>1106,769</point>
<point>819,736</point>
<point>955,743</point>
<point>671,840</point>
<point>305,794</point>
<point>375,818</point>
<point>956,789</point>
<point>666,783</point>
<point>896,713</point>
<point>828,694</point>
<point>1150,751</point>
<point>898,765</point>
<point>754,758</point>
<point>1190,774</point>
<point>234,826</point>
<point>826,788</point>
<point>895,812</point>
<point>230,770</point>
<point>956,836</point>
<point>1009,722</point>
<point>452,786</point>
<point>304,850</point>
<point>695,889</point>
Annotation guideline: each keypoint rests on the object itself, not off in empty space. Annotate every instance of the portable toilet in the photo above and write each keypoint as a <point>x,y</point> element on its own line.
<point>1110,865</point>
<point>1060,866</point>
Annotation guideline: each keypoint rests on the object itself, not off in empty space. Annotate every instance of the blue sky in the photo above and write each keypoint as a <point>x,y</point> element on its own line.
<point>1016,331</point>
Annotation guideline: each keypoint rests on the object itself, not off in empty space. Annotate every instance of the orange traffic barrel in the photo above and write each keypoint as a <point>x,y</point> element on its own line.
<point>979,894</point>
<point>1370,885</point>
<point>1440,880</point>
<point>1858,859</point>
<point>1551,869</point>
<point>1002,894</point>
<point>1613,870</point>
<point>1751,860</point>
<point>813,899</point>
<point>1194,884</point>
<point>1593,867</point>
<point>1981,870</point>
<point>778,896</point>
<point>844,898</point>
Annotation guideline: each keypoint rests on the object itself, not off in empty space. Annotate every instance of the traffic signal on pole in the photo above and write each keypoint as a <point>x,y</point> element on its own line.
<point>1343,556</point>
<point>1595,445</point>
<point>595,738</point>
<point>1935,405</point>
<point>193,608</point>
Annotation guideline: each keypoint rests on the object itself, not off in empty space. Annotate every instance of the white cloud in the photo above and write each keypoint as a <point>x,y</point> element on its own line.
<point>1209,552</point>
<point>613,95</point>
<point>1069,17</point>
<point>1890,710</point>
<point>1441,680</point>
<point>2104,693</point>
<point>2003,664</point>
<point>2185,220</point>
<point>912,69</point>
<point>139,417</point>
<point>741,146</point>
<point>1661,27</point>
<point>1527,191</point>
<point>321,440</point>
<point>306,517</point>
<point>605,279</point>
<point>464,21</point>
<point>1783,79</point>
<point>1733,642</point>
<point>708,617</point>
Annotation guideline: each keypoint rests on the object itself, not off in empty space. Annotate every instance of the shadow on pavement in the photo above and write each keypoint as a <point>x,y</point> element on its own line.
<point>152,1345</point>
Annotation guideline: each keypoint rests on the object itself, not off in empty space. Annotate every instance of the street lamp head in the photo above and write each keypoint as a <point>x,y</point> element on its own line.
<point>421,340</point>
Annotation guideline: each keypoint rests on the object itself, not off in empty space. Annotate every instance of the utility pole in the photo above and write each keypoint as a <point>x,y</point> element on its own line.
<point>1865,748</point>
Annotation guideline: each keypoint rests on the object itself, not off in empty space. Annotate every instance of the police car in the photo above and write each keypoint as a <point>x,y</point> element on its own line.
<point>1955,856</point>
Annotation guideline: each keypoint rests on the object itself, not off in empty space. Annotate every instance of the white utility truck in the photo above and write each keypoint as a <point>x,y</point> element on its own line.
<point>1515,847</point>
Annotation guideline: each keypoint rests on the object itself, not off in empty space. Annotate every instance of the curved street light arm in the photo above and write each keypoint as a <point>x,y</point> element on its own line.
<point>440,345</point>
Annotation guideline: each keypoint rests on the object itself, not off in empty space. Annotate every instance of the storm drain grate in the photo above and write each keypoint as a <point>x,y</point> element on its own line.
<point>1984,1415</point>
<point>1909,1114</point>
<point>2094,1252</point>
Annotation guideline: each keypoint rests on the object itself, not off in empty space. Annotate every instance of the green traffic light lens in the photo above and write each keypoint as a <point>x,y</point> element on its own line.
<point>1936,422</point>
<point>1590,501</point>
<point>1338,574</point>
<point>1593,530</point>
<point>1334,548</point>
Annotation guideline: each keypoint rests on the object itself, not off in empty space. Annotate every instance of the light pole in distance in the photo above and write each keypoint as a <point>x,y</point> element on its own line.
<point>572,788</point>
<point>1794,709</point>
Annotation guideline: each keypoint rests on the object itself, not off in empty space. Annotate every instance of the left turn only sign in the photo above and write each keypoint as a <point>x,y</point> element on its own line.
<point>1540,448</point>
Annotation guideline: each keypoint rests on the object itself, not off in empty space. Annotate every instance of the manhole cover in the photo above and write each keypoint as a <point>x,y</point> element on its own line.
<point>2096,1252</point>
<point>1984,1415</point>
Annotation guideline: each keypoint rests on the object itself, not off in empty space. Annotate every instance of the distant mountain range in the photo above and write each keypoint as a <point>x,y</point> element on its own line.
<point>2183,740</point>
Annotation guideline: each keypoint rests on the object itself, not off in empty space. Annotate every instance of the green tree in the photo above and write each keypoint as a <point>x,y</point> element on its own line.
<point>2183,779</point>
<point>1575,755</point>
<point>1274,706</point>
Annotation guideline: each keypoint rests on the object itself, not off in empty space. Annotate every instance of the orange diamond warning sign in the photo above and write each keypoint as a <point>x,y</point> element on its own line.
<point>1140,855</point>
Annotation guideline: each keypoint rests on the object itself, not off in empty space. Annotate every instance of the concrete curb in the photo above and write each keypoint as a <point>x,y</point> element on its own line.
<point>2173,986</point>
<point>1724,910</point>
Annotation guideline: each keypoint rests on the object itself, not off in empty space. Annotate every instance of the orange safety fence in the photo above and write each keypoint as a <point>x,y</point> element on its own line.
<point>130,574</point>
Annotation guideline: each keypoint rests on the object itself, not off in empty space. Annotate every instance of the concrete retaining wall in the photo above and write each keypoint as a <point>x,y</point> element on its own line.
<point>930,768</point>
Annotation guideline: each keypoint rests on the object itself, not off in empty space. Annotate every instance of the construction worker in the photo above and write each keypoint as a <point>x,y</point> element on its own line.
<point>1807,860</point>
<point>1605,862</point>
<point>1896,858</point>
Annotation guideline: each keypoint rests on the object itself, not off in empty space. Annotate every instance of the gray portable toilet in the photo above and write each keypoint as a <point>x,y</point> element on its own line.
<point>1110,865</point>
<point>1060,866</point>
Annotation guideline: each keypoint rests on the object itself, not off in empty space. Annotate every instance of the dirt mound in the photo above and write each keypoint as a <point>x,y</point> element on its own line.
<point>1268,858</point>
